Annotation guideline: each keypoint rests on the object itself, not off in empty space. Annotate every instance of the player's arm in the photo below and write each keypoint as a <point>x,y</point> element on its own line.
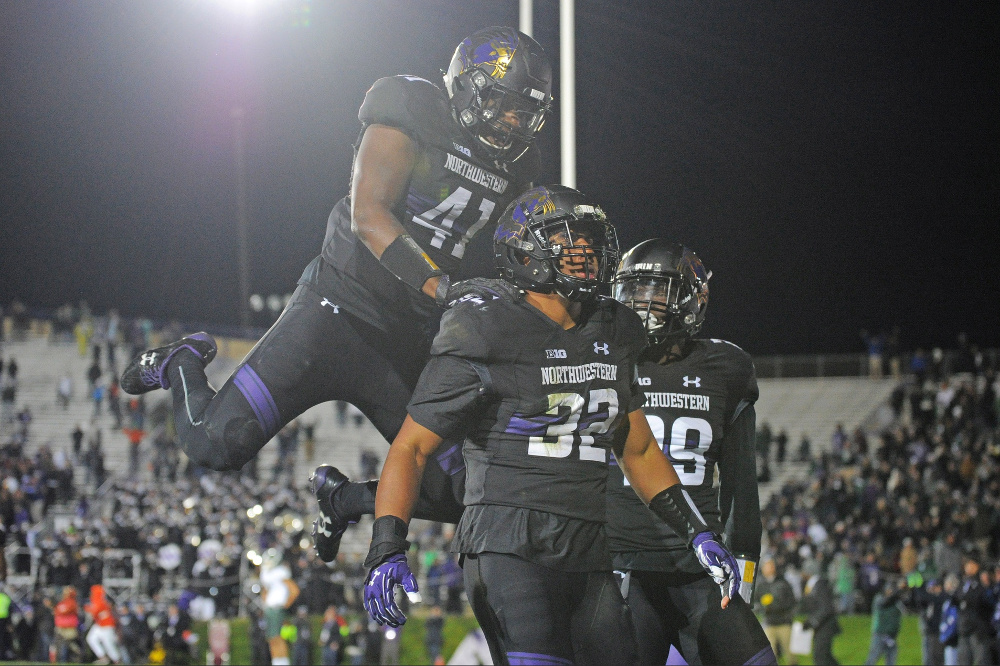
<point>398,489</point>
<point>739,501</point>
<point>655,481</point>
<point>382,170</point>
<point>399,484</point>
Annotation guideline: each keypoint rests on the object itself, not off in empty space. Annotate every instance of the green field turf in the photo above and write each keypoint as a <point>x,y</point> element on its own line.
<point>850,647</point>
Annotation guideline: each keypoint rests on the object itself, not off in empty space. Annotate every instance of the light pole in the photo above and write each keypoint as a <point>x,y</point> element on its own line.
<point>243,225</point>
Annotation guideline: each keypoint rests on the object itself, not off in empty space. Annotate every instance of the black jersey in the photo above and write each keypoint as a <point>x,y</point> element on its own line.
<point>453,195</point>
<point>691,405</point>
<point>539,407</point>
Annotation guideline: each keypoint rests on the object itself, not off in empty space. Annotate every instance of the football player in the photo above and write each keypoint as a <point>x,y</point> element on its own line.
<point>700,396</point>
<point>433,166</point>
<point>540,386</point>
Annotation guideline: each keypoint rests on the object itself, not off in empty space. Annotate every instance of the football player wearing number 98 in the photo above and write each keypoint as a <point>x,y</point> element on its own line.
<point>433,167</point>
<point>540,385</point>
<point>700,398</point>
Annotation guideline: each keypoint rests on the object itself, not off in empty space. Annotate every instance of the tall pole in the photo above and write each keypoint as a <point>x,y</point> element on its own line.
<point>567,91</point>
<point>527,13</point>
<point>243,226</point>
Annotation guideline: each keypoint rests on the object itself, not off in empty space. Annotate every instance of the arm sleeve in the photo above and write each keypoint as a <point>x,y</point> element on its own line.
<point>739,502</point>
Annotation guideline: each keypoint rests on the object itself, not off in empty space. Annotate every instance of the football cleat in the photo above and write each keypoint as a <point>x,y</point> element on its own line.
<point>148,370</point>
<point>329,527</point>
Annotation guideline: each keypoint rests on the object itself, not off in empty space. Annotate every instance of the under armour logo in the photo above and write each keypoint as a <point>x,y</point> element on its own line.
<point>696,382</point>
<point>321,525</point>
<point>601,348</point>
<point>147,358</point>
<point>336,308</point>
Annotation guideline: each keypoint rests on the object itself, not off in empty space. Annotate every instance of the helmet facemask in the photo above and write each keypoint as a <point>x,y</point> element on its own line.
<point>503,121</point>
<point>663,304</point>
<point>582,251</point>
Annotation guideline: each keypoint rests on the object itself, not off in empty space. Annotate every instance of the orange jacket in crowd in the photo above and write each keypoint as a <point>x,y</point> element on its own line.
<point>67,613</point>
<point>99,608</point>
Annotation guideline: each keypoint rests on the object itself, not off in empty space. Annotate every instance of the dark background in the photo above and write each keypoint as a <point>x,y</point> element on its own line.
<point>834,163</point>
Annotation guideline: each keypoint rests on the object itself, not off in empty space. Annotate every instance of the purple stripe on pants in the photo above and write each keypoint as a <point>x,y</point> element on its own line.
<point>253,389</point>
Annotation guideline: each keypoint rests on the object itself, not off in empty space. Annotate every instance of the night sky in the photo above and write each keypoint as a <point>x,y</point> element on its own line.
<point>834,163</point>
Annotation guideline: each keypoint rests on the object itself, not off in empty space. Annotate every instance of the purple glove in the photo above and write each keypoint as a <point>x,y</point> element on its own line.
<point>380,588</point>
<point>718,562</point>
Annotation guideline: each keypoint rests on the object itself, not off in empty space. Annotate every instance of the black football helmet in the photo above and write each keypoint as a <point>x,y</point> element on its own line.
<point>500,85</point>
<point>667,285</point>
<point>554,239</point>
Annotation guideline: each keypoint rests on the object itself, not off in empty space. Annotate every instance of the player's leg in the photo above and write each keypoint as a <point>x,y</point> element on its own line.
<point>523,608</point>
<point>654,635</point>
<point>602,627</point>
<point>707,633</point>
<point>400,360</point>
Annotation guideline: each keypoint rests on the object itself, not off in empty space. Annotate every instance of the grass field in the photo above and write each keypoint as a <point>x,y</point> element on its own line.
<point>850,647</point>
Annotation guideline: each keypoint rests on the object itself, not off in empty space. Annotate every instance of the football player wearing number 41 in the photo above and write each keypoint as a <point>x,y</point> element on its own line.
<point>699,404</point>
<point>539,385</point>
<point>432,167</point>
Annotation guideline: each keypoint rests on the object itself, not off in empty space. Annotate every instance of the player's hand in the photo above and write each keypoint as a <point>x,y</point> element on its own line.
<point>380,589</point>
<point>481,289</point>
<point>719,563</point>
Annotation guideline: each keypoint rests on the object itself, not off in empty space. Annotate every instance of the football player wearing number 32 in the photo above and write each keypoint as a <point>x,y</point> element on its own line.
<point>540,384</point>
<point>699,404</point>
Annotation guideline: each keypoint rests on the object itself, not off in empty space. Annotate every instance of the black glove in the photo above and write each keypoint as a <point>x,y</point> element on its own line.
<point>475,289</point>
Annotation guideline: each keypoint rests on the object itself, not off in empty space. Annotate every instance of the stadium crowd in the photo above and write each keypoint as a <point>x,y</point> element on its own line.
<point>918,502</point>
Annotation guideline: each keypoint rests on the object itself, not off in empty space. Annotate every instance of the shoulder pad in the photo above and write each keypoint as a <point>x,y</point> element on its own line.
<point>410,103</point>
<point>460,333</point>
<point>739,364</point>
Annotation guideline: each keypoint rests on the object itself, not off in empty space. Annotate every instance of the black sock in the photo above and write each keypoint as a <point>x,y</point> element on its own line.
<point>355,499</point>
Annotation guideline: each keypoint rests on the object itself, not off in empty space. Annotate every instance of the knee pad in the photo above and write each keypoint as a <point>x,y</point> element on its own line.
<point>242,439</point>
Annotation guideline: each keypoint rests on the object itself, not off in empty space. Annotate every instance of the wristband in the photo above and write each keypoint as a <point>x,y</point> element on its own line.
<point>404,259</point>
<point>675,507</point>
<point>441,293</point>
<point>388,539</point>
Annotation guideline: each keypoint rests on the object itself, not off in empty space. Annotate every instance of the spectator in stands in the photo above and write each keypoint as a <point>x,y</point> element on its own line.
<point>434,635</point>
<point>302,647</point>
<point>369,464</point>
<point>25,633</point>
<point>64,390</point>
<point>887,618</point>
<point>8,397</point>
<point>288,446</point>
<point>818,606</point>
<point>838,440</point>
<point>930,600</point>
<point>876,347</point>
<point>6,636</point>
<point>333,637</point>
<point>948,635</point>
<point>844,577</point>
<point>781,446</point>
<point>176,634</point>
<point>775,596</point>
<point>67,627</point>
<point>975,635</point>
<point>805,448</point>
<point>136,636</point>
<point>947,555</point>
<point>115,403</point>
<point>893,353</point>
<point>765,437</point>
